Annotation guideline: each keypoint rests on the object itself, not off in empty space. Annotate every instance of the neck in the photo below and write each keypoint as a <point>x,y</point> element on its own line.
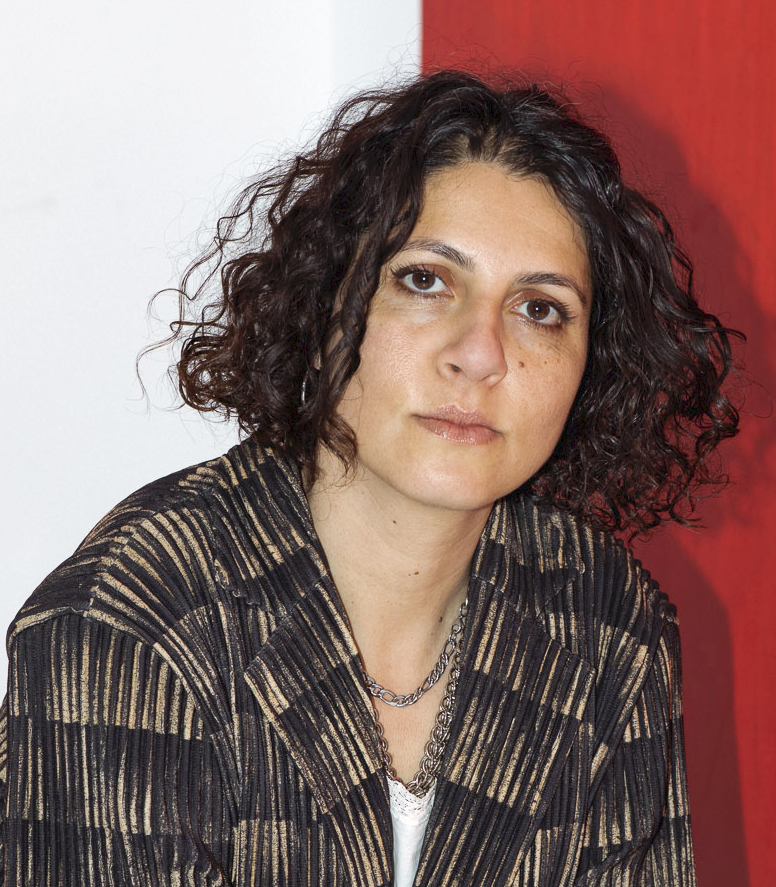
<point>401,568</point>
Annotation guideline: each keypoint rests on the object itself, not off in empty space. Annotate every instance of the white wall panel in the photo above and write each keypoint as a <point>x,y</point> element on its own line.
<point>124,128</point>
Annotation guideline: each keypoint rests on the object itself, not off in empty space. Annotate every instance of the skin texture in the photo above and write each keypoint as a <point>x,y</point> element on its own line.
<point>475,346</point>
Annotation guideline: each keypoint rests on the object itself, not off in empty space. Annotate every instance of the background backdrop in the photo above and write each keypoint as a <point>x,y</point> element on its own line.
<point>126,127</point>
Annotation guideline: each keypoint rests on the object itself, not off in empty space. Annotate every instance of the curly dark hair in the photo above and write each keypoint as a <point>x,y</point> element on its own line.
<point>299,258</point>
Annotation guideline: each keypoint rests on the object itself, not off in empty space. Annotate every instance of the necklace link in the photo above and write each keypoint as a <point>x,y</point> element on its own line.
<point>431,761</point>
<point>398,700</point>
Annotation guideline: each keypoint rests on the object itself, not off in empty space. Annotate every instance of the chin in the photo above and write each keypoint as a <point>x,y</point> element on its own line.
<point>454,493</point>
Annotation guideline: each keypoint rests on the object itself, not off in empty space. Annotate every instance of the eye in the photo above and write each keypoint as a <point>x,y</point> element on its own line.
<point>420,280</point>
<point>541,311</point>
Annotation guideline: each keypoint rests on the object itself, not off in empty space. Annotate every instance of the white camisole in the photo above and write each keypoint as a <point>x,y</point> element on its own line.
<point>409,815</point>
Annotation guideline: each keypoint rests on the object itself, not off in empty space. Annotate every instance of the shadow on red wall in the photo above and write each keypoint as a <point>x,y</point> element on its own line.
<point>675,555</point>
<point>680,559</point>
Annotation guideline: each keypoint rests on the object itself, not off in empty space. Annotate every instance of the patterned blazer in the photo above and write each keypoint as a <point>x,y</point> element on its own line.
<point>185,707</point>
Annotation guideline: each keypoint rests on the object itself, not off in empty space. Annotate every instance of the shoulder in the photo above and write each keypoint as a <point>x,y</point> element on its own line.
<point>603,599</point>
<point>160,554</point>
<point>605,607</point>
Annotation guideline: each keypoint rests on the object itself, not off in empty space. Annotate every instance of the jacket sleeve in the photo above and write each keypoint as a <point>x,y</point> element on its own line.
<point>111,777</point>
<point>638,826</point>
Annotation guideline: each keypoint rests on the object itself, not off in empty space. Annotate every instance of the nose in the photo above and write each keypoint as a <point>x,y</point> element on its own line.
<point>474,350</point>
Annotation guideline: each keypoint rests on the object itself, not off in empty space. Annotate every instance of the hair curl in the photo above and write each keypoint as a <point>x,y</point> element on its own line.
<point>300,255</point>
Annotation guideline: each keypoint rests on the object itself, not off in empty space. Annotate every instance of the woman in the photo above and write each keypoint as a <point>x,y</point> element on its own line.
<point>390,636</point>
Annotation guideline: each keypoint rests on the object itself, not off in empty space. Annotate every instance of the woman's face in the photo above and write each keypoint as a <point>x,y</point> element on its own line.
<point>475,344</point>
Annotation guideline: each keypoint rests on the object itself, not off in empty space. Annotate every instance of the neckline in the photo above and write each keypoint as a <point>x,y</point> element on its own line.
<point>409,807</point>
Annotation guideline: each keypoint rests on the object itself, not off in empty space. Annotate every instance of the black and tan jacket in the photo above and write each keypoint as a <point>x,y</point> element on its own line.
<point>185,707</point>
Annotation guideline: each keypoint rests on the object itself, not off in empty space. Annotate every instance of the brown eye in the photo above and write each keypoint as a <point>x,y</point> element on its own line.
<point>541,311</point>
<point>423,280</point>
<point>538,310</point>
<point>420,281</point>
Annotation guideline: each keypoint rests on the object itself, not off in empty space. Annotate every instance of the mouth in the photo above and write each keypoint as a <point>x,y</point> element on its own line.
<point>457,425</point>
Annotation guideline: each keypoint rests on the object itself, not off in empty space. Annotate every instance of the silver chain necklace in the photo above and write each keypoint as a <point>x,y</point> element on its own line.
<point>431,761</point>
<point>398,700</point>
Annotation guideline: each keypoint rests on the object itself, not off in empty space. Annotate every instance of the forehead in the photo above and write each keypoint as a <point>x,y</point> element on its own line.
<point>489,212</point>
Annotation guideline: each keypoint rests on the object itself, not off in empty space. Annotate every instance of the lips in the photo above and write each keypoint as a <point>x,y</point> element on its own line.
<point>457,425</point>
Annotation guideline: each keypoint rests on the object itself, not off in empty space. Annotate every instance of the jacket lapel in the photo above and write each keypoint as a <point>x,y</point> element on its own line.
<point>522,699</point>
<point>307,681</point>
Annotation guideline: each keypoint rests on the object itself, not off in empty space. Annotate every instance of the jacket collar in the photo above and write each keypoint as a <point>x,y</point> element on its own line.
<point>307,680</point>
<point>285,559</point>
<point>524,687</point>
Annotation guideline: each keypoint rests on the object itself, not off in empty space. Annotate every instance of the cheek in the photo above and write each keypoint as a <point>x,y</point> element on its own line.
<point>548,384</point>
<point>390,362</point>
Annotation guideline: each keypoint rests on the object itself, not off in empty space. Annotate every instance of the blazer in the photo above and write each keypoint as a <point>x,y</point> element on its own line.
<point>185,707</point>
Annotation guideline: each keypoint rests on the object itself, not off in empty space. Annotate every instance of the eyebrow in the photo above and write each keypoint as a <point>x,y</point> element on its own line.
<point>550,278</point>
<point>535,278</point>
<point>444,250</point>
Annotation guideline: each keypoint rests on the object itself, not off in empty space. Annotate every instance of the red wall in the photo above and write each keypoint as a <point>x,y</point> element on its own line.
<point>690,88</point>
